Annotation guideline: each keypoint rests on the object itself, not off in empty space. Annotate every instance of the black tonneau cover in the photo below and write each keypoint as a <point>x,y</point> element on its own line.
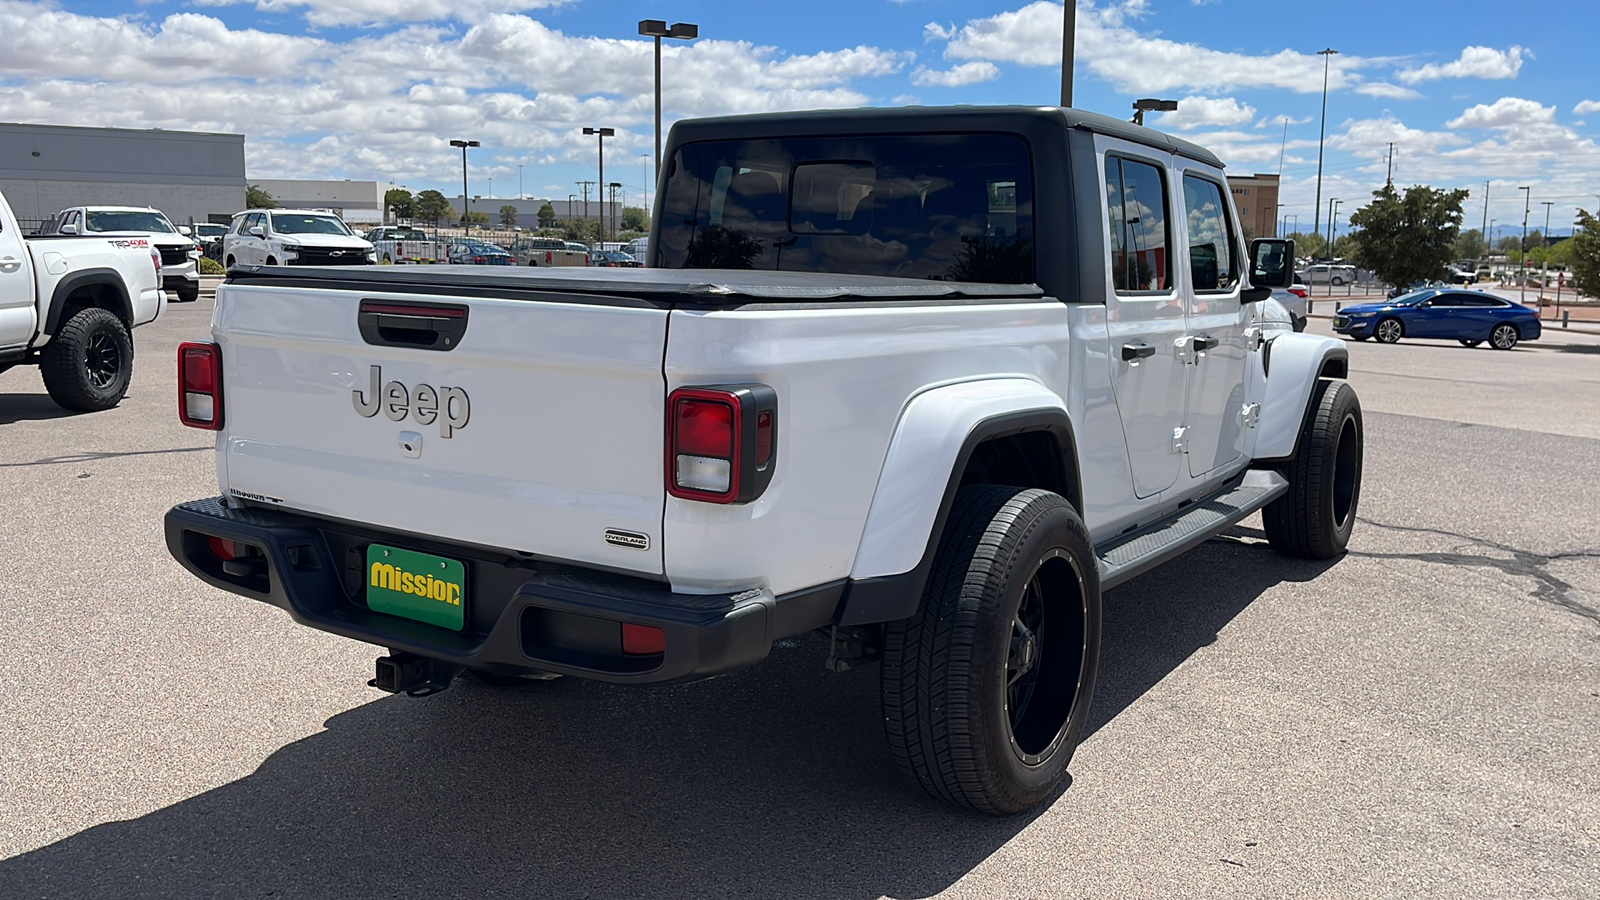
<point>715,287</point>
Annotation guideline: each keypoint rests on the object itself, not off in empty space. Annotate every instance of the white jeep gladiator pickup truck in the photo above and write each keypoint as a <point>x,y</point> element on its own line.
<point>68,304</point>
<point>926,381</point>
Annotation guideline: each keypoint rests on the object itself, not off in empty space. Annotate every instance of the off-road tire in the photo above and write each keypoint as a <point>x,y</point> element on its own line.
<point>1315,518</point>
<point>88,363</point>
<point>1389,335</point>
<point>1504,336</point>
<point>1005,554</point>
<point>188,294</point>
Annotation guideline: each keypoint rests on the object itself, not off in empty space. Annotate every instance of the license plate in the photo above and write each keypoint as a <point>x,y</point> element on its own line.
<point>419,586</point>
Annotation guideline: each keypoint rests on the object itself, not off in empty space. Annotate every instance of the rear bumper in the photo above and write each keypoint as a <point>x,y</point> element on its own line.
<point>522,616</point>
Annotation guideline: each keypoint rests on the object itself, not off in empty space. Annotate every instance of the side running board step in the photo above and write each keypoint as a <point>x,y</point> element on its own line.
<point>1128,555</point>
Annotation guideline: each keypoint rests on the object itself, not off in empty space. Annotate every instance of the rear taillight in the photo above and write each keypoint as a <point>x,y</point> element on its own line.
<point>200,385</point>
<point>721,442</point>
<point>155,260</point>
<point>1299,292</point>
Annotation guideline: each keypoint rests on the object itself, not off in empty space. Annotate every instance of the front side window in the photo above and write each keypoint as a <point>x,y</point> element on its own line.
<point>152,222</point>
<point>1213,264</point>
<point>301,223</point>
<point>1136,206</point>
<point>943,207</point>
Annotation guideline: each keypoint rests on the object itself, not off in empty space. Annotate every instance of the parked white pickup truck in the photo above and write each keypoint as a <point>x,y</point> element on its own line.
<point>68,304</point>
<point>398,244</point>
<point>180,255</point>
<point>293,237</point>
<point>926,381</point>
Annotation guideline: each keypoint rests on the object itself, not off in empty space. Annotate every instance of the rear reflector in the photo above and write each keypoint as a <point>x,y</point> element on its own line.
<point>643,640</point>
<point>222,548</point>
<point>200,385</point>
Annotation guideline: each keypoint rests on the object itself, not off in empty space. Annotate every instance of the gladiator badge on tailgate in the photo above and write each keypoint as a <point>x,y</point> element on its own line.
<point>424,403</point>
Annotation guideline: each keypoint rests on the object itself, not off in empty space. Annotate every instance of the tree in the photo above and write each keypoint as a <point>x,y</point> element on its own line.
<point>547,215</point>
<point>256,198</point>
<point>1583,251</point>
<point>478,218</point>
<point>433,207</point>
<point>400,202</point>
<point>586,231</point>
<point>508,215</point>
<point>1311,246</point>
<point>635,219</point>
<point>1470,245</point>
<point>1411,238</point>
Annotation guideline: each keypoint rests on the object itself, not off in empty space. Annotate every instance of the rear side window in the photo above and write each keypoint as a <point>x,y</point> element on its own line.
<point>944,207</point>
<point>1137,226</point>
<point>1213,264</point>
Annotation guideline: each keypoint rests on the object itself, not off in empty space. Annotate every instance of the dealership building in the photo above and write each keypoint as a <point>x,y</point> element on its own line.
<point>189,175</point>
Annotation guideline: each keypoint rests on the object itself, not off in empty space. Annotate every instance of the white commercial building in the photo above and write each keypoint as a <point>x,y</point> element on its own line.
<point>189,175</point>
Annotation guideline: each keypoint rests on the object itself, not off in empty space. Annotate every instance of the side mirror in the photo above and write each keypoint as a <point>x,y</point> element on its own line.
<point>69,228</point>
<point>1272,263</point>
<point>184,230</point>
<point>258,231</point>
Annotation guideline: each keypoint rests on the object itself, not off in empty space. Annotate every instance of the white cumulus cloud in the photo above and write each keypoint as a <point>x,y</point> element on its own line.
<point>1585,107</point>
<point>1474,62</point>
<point>1203,112</point>
<point>1507,112</point>
<point>963,74</point>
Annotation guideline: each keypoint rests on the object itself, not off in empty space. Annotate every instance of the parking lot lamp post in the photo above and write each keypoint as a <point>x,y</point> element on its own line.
<point>612,212</point>
<point>1333,224</point>
<point>465,203</point>
<point>1316,210</point>
<point>1296,218</point>
<point>519,181</point>
<point>1522,249</point>
<point>657,28</point>
<point>600,139</point>
<point>1150,104</point>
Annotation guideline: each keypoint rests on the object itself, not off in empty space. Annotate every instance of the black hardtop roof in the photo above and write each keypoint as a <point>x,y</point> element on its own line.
<point>912,119</point>
<point>714,285</point>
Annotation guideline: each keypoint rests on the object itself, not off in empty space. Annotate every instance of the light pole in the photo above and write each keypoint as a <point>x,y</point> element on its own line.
<point>1069,46</point>
<point>519,181</point>
<point>1296,218</point>
<point>466,205</point>
<point>1150,104</point>
<point>657,28</point>
<point>1544,241</point>
<point>1322,135</point>
<point>614,186</point>
<point>1527,205</point>
<point>600,140</point>
<point>1333,214</point>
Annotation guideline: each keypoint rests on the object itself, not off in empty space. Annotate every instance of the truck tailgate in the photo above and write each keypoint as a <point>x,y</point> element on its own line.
<point>539,430</point>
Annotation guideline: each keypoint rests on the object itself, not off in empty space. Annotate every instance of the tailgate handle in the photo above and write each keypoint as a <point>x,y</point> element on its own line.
<point>403,323</point>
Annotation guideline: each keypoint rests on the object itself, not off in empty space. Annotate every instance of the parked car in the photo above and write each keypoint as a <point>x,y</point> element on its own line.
<point>546,251</point>
<point>613,259</point>
<point>405,244</point>
<point>473,252</point>
<point>1297,300</point>
<point>1336,274</point>
<point>293,237</point>
<point>1466,316</point>
<point>68,303</point>
<point>1400,290</point>
<point>937,470</point>
<point>1456,275</point>
<point>576,247</point>
<point>180,266</point>
<point>639,248</point>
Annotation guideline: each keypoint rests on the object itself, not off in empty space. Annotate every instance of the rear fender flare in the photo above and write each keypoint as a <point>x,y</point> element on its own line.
<point>932,444</point>
<point>120,304</point>
<point>1293,363</point>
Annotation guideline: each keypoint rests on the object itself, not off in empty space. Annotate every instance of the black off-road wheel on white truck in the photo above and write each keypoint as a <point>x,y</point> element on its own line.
<point>1315,518</point>
<point>89,361</point>
<point>986,690</point>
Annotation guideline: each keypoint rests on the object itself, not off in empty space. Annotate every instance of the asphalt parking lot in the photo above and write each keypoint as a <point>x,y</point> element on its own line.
<point>1418,718</point>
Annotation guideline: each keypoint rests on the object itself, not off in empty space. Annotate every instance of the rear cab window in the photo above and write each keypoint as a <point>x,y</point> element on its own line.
<point>1139,231</point>
<point>955,207</point>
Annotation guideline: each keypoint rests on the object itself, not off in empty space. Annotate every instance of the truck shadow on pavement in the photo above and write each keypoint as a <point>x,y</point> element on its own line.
<point>771,782</point>
<point>30,408</point>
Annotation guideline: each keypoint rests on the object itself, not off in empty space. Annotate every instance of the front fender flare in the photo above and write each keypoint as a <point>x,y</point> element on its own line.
<point>935,437</point>
<point>1294,362</point>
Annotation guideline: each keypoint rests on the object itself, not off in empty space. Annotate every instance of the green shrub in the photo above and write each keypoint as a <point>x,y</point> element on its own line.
<point>209,266</point>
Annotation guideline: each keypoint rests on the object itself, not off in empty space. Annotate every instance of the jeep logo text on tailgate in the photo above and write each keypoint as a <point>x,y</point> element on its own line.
<point>424,402</point>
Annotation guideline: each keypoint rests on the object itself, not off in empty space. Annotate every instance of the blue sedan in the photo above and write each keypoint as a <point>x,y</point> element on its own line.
<point>1470,317</point>
<point>479,253</point>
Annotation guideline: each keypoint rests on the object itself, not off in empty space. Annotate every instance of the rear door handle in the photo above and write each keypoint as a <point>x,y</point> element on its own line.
<point>1202,343</point>
<point>1137,351</point>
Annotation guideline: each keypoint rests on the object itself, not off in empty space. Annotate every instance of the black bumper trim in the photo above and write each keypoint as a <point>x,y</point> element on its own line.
<point>522,602</point>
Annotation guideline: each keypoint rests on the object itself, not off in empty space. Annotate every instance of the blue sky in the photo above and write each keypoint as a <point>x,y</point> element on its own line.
<point>373,89</point>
